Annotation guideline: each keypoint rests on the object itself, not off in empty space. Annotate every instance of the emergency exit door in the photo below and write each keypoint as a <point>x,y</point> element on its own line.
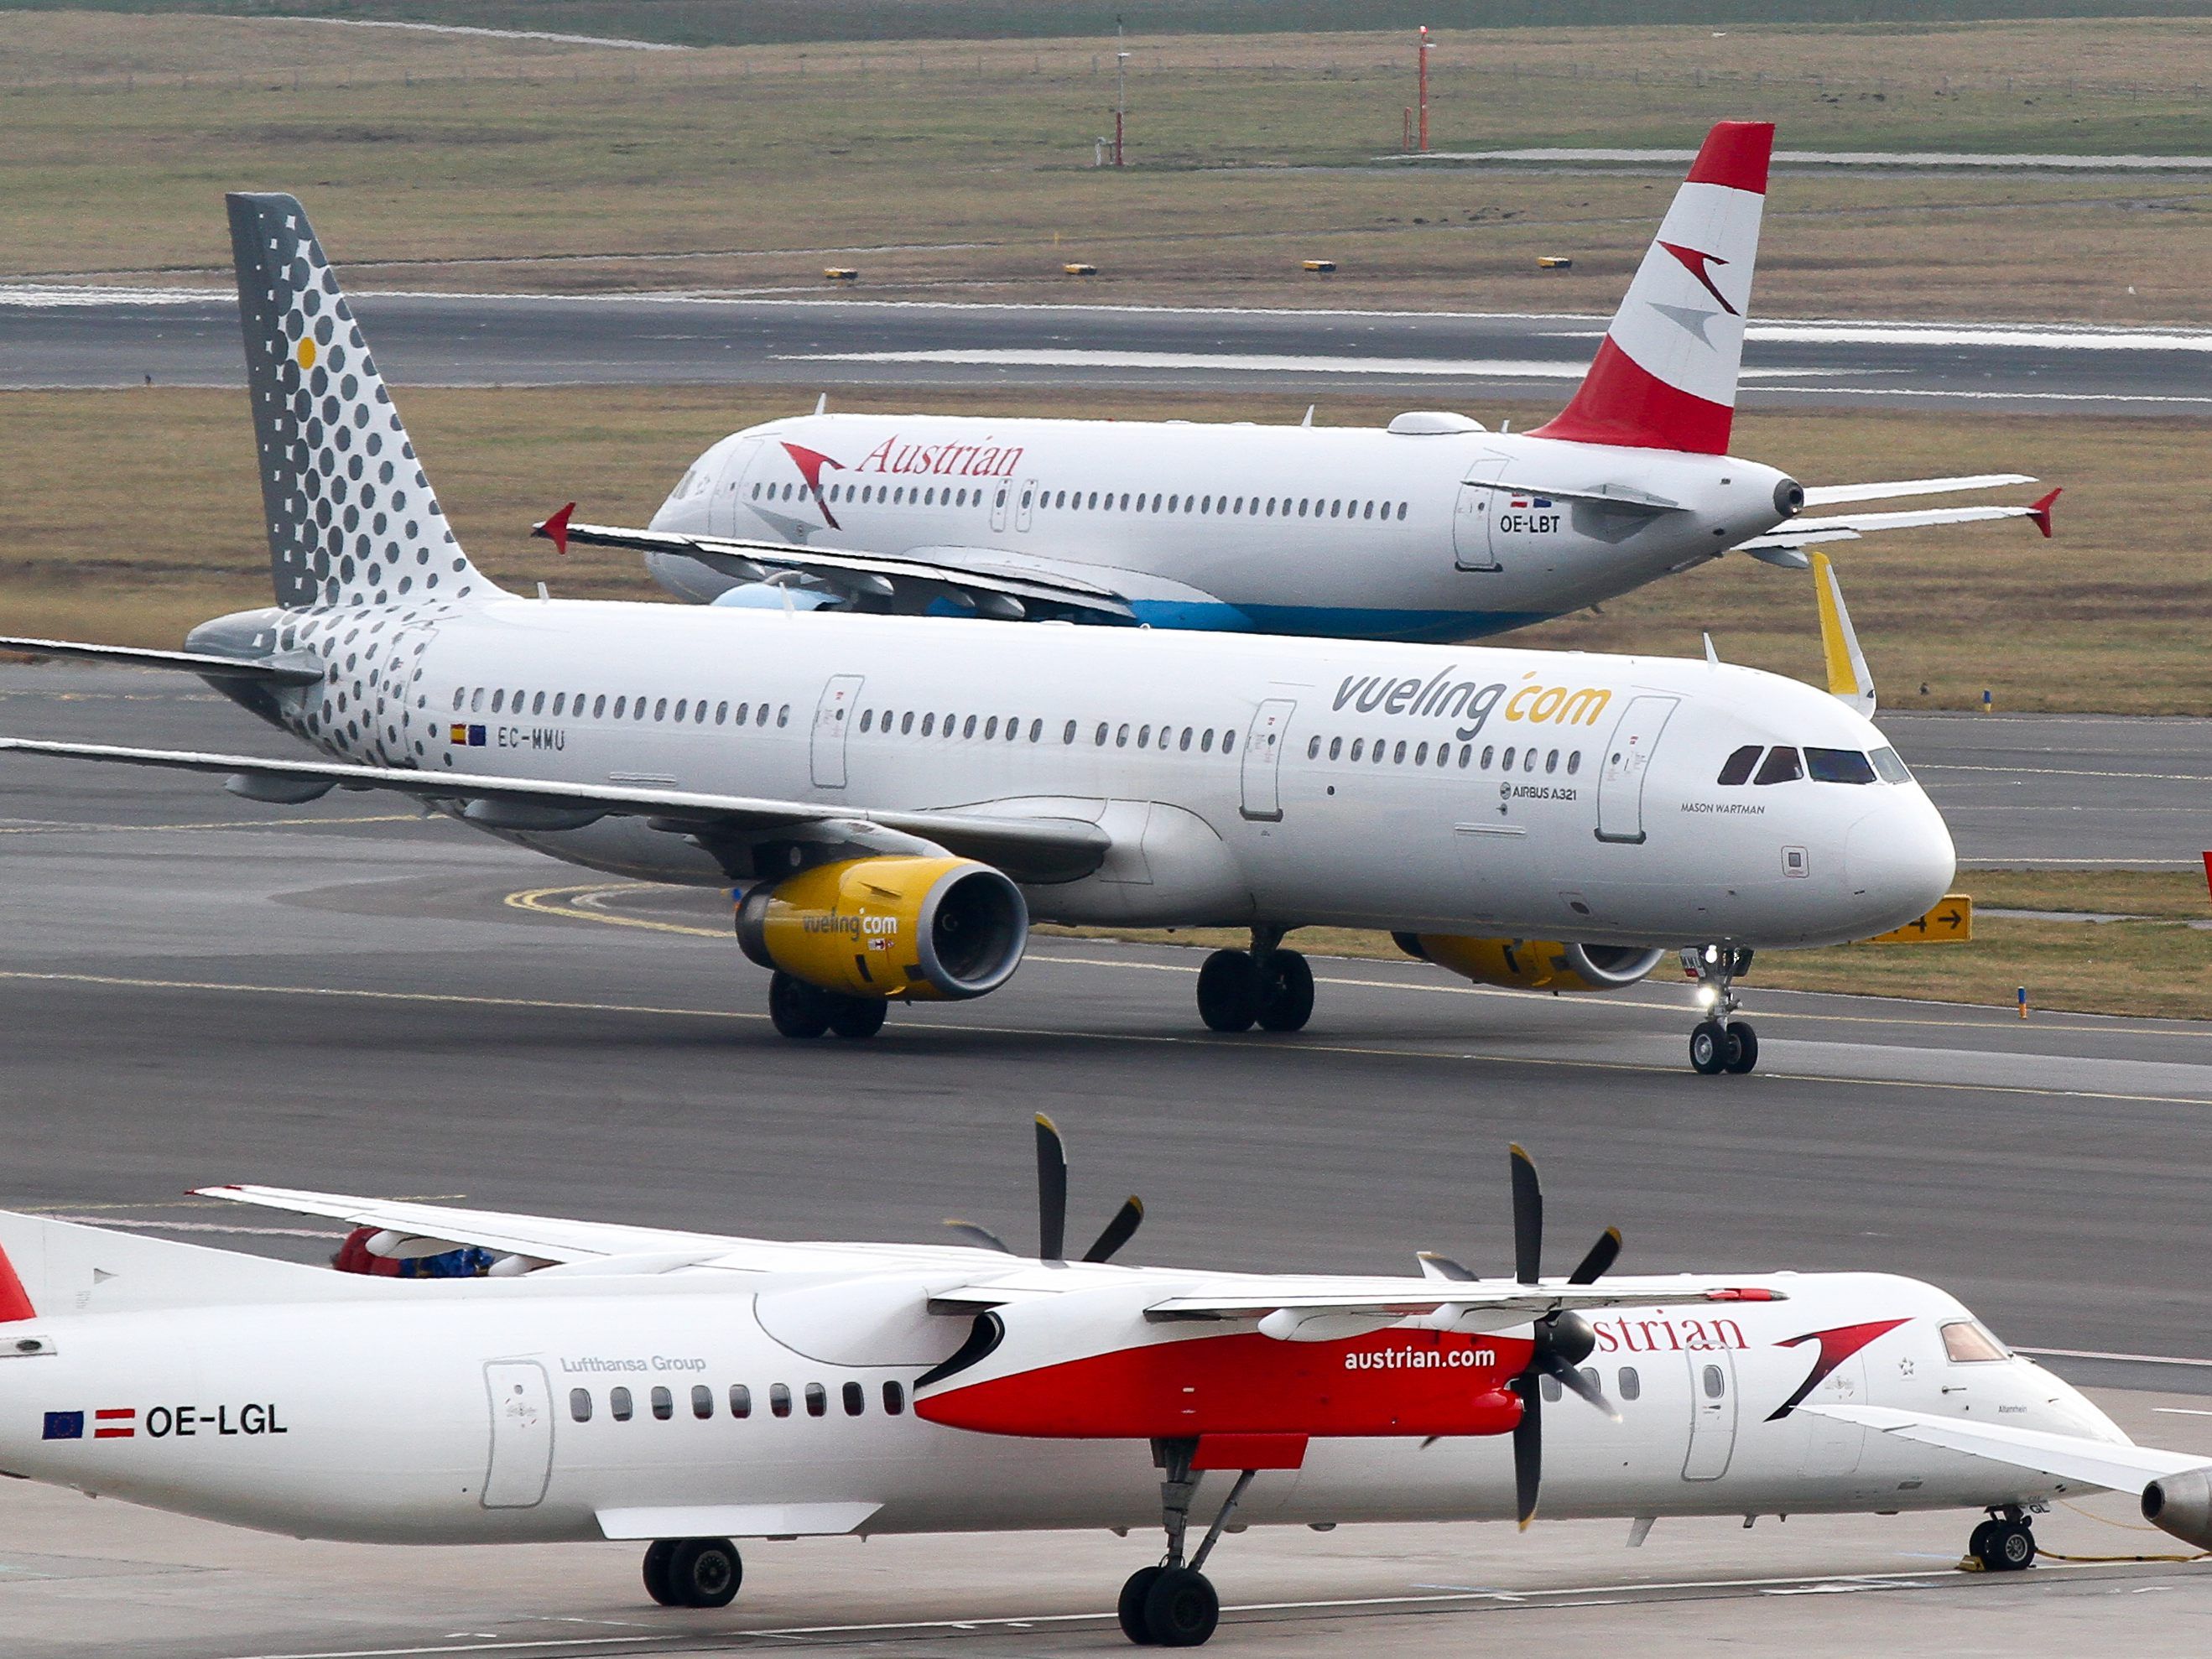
<point>521,1434</point>
<point>1263,759</point>
<point>833,720</point>
<point>1627,757</point>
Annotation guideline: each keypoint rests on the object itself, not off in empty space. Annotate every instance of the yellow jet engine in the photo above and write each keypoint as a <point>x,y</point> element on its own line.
<point>1528,964</point>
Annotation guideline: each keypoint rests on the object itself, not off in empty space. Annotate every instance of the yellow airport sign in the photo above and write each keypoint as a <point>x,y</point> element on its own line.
<point>1951,922</point>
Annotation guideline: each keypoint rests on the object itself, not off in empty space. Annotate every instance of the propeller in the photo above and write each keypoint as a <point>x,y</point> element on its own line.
<point>1562,1340</point>
<point>1052,1208</point>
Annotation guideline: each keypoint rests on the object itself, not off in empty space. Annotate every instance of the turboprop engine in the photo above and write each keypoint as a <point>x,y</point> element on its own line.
<point>1528,965</point>
<point>932,929</point>
<point>2182,1504</point>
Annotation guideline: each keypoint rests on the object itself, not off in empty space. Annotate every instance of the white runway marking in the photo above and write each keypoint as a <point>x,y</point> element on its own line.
<point>1915,160</point>
<point>1254,362</point>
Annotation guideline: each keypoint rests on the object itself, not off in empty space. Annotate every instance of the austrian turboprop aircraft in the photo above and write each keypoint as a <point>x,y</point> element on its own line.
<point>611,1381</point>
<point>897,796</point>
<point>1433,529</point>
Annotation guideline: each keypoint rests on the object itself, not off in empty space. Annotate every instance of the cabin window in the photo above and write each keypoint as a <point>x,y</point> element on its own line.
<point>1528,760</point>
<point>1313,747</point>
<point>1508,757</point>
<point>778,1398</point>
<point>682,704</point>
<point>1227,741</point>
<point>460,697</point>
<point>1715,1384</point>
<point>1144,736</point>
<point>741,1400</point>
<point>783,714</point>
<point>1444,755</point>
<point>1271,506</point>
<point>498,699</point>
<point>664,1404</point>
<point>867,719</point>
<point>1369,510</point>
<point>1336,748</point>
<point>703,1400</point>
<point>1550,1386</point>
<point>1304,503</point>
<point>1336,509</point>
<point>637,707</point>
<point>1206,741</point>
<point>929,723</point>
<point>1100,736</point>
<point>1574,762</point>
<point>1037,730</point>
<point>560,702</point>
<point>537,704</point>
<point>967,731</point>
<point>1551,761</point>
<point>618,1406</point>
<point>1421,755</point>
<point>1782,766</point>
<point>1632,1385</point>
<point>856,1401</point>
<point>1068,736</point>
<point>894,1398</point>
<point>1121,738</point>
<point>599,705</point>
<point>1184,744</point>
<point>1357,745</point>
<point>1400,757</point>
<point>1467,755</point>
<point>990,726</point>
<point>1889,768</point>
<point>1488,754</point>
<point>1738,767</point>
<point>1402,510</point>
<point>817,1399</point>
<point>579,1404</point>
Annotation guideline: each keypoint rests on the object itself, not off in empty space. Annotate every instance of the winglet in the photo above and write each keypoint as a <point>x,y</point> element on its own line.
<point>1850,680</point>
<point>15,1300</point>
<point>2041,511</point>
<point>555,530</point>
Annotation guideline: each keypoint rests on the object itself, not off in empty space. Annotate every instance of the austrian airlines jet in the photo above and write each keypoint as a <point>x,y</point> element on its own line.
<point>897,797</point>
<point>1433,529</point>
<point>611,1381</point>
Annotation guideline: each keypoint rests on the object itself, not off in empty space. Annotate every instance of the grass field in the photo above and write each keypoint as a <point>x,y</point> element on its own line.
<point>963,168</point>
<point>2151,968</point>
<point>130,515</point>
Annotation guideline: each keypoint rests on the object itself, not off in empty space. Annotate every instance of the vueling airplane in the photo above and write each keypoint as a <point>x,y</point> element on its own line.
<point>1433,529</point>
<point>898,796</point>
<point>613,1382</point>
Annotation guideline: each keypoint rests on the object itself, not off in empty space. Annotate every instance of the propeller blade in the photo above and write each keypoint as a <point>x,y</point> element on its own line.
<point>1527,1451</point>
<point>1443,1266</point>
<point>1603,1255</point>
<point>1052,1191</point>
<point>1528,1219</point>
<point>1572,1377</point>
<point>1118,1231</point>
<point>983,1236</point>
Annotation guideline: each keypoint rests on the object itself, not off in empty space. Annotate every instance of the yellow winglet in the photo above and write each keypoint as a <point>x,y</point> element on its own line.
<point>1850,680</point>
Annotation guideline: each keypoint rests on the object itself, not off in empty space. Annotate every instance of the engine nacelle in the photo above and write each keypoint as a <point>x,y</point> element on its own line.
<point>930,929</point>
<point>1528,964</point>
<point>2182,1504</point>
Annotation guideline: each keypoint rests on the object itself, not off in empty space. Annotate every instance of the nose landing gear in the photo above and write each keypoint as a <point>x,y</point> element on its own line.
<point>1173,1604</point>
<point>1718,1043</point>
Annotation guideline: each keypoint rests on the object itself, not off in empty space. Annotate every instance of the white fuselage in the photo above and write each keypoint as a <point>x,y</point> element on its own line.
<point>1359,533</point>
<point>1240,779</point>
<point>485,1411</point>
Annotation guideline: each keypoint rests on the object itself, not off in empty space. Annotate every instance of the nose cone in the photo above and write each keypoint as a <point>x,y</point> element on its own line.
<point>2065,1410</point>
<point>1899,860</point>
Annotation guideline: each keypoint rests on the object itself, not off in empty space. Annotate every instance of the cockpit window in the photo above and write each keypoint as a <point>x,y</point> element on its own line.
<point>1889,768</point>
<point>1781,766</point>
<point>1738,768</point>
<point>1838,765</point>
<point>1965,1343</point>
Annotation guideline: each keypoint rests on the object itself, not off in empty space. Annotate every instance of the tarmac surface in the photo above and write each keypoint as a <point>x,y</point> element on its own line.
<point>83,337</point>
<point>346,996</point>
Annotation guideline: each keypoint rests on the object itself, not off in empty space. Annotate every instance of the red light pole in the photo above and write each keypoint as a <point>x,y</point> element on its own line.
<point>1424,88</point>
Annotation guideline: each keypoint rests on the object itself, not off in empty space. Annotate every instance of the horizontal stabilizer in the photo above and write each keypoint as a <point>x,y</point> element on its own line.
<point>2119,1466</point>
<point>190,662</point>
<point>1837,494</point>
<point>1849,526</point>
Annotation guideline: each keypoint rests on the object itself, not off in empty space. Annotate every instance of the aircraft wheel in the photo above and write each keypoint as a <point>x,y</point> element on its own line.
<point>656,1572</point>
<point>1286,992</point>
<point>1709,1047</point>
<point>857,1017</point>
<point>1131,1607</point>
<point>1228,991</point>
<point>796,1008</point>
<point>2004,1546</point>
<point>705,1573</point>
<point>1181,1608</point>
<point>1746,1047</point>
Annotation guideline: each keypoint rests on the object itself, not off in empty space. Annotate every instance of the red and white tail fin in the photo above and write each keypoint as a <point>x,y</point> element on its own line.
<point>1665,375</point>
<point>15,1300</point>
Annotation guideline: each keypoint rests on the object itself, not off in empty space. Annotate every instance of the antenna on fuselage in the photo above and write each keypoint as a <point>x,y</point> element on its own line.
<point>821,403</point>
<point>1309,419</point>
<point>1712,657</point>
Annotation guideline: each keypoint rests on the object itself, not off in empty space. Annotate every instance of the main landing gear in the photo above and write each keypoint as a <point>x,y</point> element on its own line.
<point>799,1010</point>
<point>1266,986</point>
<point>1173,1604</point>
<point>693,1573</point>
<point>2005,1542</point>
<point>1718,1043</point>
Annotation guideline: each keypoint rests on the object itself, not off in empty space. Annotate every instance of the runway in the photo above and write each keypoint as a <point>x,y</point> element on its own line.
<point>346,996</point>
<point>78,337</point>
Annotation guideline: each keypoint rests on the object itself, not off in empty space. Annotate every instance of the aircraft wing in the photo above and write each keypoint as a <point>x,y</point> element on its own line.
<point>1040,849</point>
<point>1249,1298</point>
<point>1783,545</point>
<point>971,580</point>
<point>547,1239</point>
<point>2120,1466</point>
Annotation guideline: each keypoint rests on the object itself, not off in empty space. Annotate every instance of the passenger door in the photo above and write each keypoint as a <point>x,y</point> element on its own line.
<point>728,492</point>
<point>1473,535</point>
<point>833,718</point>
<point>1712,1414</point>
<point>521,1434</point>
<point>1261,774</point>
<point>1620,783</point>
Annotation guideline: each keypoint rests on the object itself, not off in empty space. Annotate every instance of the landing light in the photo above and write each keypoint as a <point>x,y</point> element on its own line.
<point>1707,996</point>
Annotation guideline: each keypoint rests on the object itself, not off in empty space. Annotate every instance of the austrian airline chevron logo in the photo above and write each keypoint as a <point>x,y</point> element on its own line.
<point>810,463</point>
<point>1698,263</point>
<point>1837,1346</point>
